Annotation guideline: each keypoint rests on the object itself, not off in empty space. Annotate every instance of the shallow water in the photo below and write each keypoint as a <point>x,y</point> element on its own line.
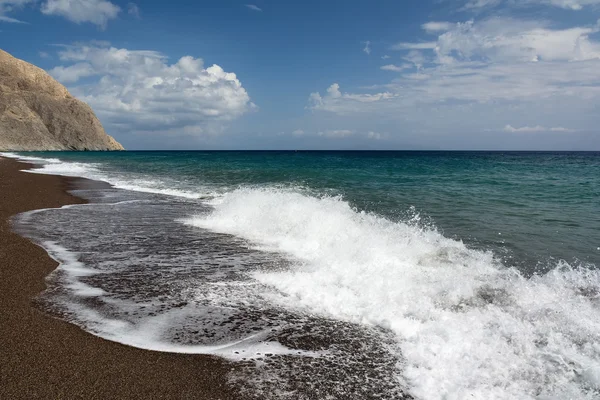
<point>348,275</point>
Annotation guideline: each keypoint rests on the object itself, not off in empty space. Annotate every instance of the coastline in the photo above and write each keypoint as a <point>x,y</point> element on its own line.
<point>43,357</point>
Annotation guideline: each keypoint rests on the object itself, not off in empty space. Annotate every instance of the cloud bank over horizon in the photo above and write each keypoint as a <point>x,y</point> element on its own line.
<point>482,72</point>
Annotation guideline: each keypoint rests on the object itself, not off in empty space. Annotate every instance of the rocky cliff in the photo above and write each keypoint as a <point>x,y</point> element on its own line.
<point>38,113</point>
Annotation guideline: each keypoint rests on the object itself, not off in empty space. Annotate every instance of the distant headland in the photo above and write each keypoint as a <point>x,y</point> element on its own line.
<point>38,113</point>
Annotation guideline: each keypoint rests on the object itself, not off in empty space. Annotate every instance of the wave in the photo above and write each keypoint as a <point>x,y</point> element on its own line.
<point>37,160</point>
<point>467,325</point>
<point>94,171</point>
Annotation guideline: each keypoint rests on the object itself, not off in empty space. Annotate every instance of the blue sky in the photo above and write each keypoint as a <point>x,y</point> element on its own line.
<point>469,74</point>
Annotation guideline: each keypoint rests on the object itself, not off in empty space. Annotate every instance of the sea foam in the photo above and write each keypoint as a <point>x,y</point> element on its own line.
<point>94,171</point>
<point>145,333</point>
<point>467,326</point>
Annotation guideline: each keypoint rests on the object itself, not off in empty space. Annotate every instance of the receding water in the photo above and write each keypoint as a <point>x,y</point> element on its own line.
<point>442,275</point>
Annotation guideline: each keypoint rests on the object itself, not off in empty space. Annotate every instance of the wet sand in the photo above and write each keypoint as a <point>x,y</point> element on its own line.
<point>42,357</point>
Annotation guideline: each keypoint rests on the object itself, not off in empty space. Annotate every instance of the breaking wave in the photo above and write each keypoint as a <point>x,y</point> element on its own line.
<point>467,326</point>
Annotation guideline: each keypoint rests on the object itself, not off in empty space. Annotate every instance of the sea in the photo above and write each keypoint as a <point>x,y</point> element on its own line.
<point>338,275</point>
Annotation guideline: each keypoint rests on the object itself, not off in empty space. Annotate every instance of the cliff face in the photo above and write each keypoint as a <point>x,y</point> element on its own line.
<point>38,113</point>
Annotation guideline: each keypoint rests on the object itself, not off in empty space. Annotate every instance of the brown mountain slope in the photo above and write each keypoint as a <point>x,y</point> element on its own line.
<point>38,113</point>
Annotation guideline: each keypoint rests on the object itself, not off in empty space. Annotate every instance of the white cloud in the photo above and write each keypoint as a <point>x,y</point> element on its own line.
<point>561,129</point>
<point>569,4</point>
<point>376,135</point>
<point>367,48</point>
<point>414,46</point>
<point>7,6</point>
<point>43,54</point>
<point>416,57</point>
<point>483,72</point>
<point>534,129</point>
<point>72,73</point>
<point>97,12</point>
<point>566,4</point>
<point>336,134</point>
<point>385,57</point>
<point>479,4</point>
<point>140,91</point>
<point>434,26</point>
<point>506,39</point>
<point>298,132</point>
<point>343,103</point>
<point>395,68</point>
<point>253,7</point>
<point>469,82</point>
<point>4,18</point>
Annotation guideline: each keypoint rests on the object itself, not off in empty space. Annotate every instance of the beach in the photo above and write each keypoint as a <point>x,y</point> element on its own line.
<point>311,275</point>
<point>43,357</point>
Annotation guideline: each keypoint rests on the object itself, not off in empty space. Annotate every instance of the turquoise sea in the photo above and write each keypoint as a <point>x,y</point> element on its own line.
<point>436,275</point>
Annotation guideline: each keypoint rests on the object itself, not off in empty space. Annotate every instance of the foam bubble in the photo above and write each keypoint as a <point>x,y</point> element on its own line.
<point>467,326</point>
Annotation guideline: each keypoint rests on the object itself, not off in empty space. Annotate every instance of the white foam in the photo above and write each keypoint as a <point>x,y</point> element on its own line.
<point>55,166</point>
<point>153,186</point>
<point>35,160</point>
<point>74,269</point>
<point>148,333</point>
<point>68,260</point>
<point>148,336</point>
<point>67,169</point>
<point>467,326</point>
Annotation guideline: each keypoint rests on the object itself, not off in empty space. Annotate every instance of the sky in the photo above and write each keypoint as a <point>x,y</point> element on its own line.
<point>335,74</point>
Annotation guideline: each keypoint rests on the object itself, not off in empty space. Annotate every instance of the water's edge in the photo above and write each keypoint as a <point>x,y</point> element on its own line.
<point>295,286</point>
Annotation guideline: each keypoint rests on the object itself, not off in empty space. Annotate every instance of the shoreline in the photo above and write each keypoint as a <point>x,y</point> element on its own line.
<point>43,357</point>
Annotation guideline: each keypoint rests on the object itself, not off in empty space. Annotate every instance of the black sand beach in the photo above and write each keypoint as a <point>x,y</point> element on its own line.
<point>42,357</point>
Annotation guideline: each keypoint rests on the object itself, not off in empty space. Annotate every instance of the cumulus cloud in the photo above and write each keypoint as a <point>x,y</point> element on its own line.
<point>97,12</point>
<point>534,129</point>
<point>253,7</point>
<point>140,91</point>
<point>72,73</point>
<point>7,6</point>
